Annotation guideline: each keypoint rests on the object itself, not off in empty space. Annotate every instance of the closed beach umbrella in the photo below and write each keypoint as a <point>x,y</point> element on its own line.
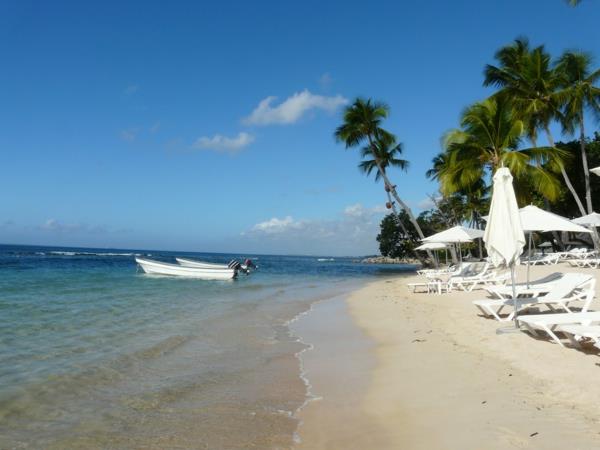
<point>504,237</point>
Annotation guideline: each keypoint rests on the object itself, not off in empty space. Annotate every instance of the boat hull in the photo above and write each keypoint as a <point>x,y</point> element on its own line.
<point>201,265</point>
<point>160,268</point>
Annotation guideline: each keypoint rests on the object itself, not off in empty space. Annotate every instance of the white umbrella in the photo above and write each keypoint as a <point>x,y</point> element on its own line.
<point>504,238</point>
<point>431,246</point>
<point>536,219</point>
<point>455,234</point>
<point>595,170</point>
<point>592,219</point>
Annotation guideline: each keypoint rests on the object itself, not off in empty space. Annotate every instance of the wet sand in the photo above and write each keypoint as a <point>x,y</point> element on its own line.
<point>428,371</point>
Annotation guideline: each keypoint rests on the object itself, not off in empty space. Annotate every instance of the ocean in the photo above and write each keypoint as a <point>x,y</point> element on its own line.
<point>96,354</point>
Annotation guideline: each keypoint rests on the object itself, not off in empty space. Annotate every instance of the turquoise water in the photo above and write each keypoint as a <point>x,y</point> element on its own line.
<point>94,354</point>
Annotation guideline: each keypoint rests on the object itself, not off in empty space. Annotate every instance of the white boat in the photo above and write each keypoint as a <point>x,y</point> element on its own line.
<point>161,268</point>
<point>247,267</point>
<point>200,264</point>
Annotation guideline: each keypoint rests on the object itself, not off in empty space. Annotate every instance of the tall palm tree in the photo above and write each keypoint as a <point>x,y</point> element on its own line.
<point>526,75</point>
<point>388,152</point>
<point>489,138</point>
<point>362,125</point>
<point>581,94</point>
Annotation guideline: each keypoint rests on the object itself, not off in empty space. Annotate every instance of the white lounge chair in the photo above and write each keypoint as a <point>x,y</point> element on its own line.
<point>545,260</point>
<point>485,278</point>
<point>534,288</point>
<point>576,333</point>
<point>592,263</point>
<point>570,288</point>
<point>552,323</point>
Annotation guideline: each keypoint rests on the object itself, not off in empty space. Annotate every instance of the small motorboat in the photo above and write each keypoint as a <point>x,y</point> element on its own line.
<point>205,265</point>
<point>246,267</point>
<point>161,268</point>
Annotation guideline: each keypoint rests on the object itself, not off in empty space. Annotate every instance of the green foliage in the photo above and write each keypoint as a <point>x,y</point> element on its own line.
<point>564,205</point>
<point>489,137</point>
<point>393,242</point>
<point>387,151</point>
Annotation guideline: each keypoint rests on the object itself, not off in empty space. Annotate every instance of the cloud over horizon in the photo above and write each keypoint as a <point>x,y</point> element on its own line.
<point>352,232</point>
<point>291,109</point>
<point>224,144</point>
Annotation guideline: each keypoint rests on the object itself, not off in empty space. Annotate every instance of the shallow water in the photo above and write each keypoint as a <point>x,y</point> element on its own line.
<point>94,354</point>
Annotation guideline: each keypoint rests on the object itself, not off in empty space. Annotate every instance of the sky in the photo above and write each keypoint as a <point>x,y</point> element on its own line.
<point>208,126</point>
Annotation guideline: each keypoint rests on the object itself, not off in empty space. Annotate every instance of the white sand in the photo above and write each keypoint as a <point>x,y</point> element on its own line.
<point>445,379</point>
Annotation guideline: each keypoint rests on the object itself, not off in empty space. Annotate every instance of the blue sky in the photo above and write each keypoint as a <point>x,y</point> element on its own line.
<point>208,127</point>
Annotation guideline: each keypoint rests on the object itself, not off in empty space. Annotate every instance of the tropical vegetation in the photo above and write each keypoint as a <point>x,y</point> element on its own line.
<point>533,95</point>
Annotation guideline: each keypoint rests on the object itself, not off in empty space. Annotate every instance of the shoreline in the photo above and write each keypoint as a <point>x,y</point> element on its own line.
<point>444,378</point>
<point>336,367</point>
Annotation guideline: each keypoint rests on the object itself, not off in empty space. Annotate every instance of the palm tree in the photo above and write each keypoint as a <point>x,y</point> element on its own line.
<point>489,138</point>
<point>527,77</point>
<point>387,151</point>
<point>362,124</point>
<point>581,95</point>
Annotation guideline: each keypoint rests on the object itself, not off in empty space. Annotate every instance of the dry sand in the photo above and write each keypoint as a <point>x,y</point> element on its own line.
<point>429,372</point>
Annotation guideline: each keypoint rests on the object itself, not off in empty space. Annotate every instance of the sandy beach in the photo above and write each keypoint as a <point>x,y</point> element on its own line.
<point>395,369</point>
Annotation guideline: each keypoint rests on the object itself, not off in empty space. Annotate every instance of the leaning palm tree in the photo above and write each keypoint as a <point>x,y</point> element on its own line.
<point>489,138</point>
<point>581,94</point>
<point>527,77</point>
<point>387,152</point>
<point>362,125</point>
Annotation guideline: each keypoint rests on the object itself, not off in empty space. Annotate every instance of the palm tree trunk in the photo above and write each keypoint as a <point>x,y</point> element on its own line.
<point>586,172</point>
<point>566,177</point>
<point>403,205</point>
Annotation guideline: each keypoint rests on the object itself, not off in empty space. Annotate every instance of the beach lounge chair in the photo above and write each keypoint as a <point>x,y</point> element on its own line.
<point>534,288</point>
<point>572,287</point>
<point>591,262</point>
<point>578,332</point>
<point>552,323</point>
<point>485,278</point>
<point>545,260</point>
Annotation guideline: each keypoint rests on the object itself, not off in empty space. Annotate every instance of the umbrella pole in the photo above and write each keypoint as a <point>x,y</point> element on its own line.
<point>514,292</point>
<point>529,259</point>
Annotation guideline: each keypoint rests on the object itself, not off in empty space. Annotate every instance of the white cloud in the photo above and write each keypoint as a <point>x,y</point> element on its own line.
<point>224,144</point>
<point>292,108</point>
<point>426,203</point>
<point>359,210</point>
<point>353,232</point>
<point>276,225</point>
